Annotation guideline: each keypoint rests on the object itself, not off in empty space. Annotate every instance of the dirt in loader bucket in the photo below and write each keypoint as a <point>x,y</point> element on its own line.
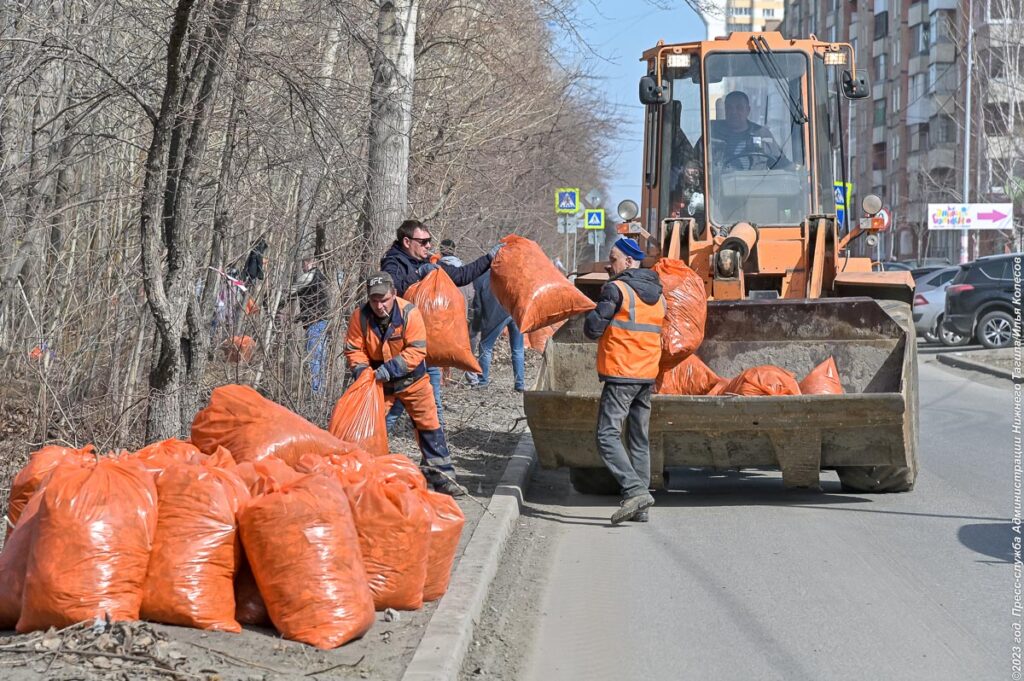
<point>868,434</point>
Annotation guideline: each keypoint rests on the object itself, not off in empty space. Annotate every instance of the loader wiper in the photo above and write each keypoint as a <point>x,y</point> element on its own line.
<point>764,51</point>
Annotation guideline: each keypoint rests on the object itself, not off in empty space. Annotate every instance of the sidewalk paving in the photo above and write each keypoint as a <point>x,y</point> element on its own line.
<point>1000,363</point>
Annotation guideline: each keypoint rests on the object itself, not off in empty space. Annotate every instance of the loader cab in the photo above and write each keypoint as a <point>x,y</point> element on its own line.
<point>742,130</point>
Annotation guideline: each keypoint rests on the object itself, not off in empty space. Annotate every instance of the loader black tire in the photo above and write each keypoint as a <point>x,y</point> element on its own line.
<point>878,479</point>
<point>597,481</point>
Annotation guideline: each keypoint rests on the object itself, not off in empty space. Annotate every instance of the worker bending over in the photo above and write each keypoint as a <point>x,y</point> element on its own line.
<point>388,337</point>
<point>627,320</point>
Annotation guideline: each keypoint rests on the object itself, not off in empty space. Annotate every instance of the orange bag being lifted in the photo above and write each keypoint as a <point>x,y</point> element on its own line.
<point>190,580</point>
<point>35,471</point>
<point>446,525</point>
<point>822,380</point>
<point>689,377</point>
<point>444,314</point>
<point>687,311</point>
<point>92,542</point>
<point>304,552</point>
<point>762,381</point>
<point>538,340</point>
<point>251,427</point>
<point>359,418</point>
<point>531,288</point>
<point>393,522</point>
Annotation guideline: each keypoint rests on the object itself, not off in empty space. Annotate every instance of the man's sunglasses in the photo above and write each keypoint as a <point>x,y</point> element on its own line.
<point>422,241</point>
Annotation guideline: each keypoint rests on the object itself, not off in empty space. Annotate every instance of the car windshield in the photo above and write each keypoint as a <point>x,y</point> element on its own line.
<point>757,166</point>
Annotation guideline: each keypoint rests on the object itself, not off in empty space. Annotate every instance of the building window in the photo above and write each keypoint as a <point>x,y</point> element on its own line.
<point>919,39</point>
<point>943,23</point>
<point>942,130</point>
<point>881,25</point>
<point>998,118</point>
<point>878,156</point>
<point>879,113</point>
<point>768,12</point>
<point>942,78</point>
<point>997,10</point>
<point>741,11</point>
<point>895,151</point>
<point>880,71</point>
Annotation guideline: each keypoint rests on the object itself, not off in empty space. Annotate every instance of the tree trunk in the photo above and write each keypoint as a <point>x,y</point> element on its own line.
<point>394,65</point>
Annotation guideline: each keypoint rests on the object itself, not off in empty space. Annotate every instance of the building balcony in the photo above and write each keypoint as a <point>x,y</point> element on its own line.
<point>940,156</point>
<point>942,4</point>
<point>917,64</point>
<point>918,14</point>
<point>943,53</point>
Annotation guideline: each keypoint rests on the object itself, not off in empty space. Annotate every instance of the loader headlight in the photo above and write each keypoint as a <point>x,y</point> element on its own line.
<point>628,210</point>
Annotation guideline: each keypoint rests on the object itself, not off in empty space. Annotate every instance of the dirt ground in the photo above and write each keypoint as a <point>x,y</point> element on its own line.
<point>483,427</point>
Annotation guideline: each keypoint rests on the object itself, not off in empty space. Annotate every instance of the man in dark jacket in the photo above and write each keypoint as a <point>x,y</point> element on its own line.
<point>489,318</point>
<point>627,321</point>
<point>408,261</point>
<point>313,295</point>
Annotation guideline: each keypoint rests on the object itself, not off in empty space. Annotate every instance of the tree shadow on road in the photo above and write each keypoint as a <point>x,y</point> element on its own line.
<point>989,539</point>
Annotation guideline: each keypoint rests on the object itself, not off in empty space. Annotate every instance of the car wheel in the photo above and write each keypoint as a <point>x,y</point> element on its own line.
<point>949,337</point>
<point>995,330</point>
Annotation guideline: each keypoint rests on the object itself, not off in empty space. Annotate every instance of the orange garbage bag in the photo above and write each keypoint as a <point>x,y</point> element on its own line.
<point>446,525</point>
<point>690,377</point>
<point>359,417</point>
<point>538,340</point>
<point>252,427</point>
<point>14,561</point>
<point>687,310</point>
<point>393,522</point>
<point>302,546</point>
<point>255,474</point>
<point>762,380</point>
<point>92,542</point>
<point>238,349</point>
<point>822,380</point>
<point>40,464</point>
<point>190,579</point>
<point>531,288</point>
<point>400,467</point>
<point>352,470</point>
<point>444,314</point>
<point>158,456</point>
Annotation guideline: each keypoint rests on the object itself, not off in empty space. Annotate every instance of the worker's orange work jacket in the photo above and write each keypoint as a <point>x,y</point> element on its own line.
<point>630,347</point>
<point>402,347</point>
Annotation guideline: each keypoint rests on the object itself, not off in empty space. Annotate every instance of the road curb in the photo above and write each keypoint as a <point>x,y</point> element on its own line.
<point>449,633</point>
<point>960,362</point>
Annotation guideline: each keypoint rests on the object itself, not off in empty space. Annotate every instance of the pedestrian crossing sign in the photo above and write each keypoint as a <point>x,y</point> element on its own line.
<point>567,200</point>
<point>593,218</point>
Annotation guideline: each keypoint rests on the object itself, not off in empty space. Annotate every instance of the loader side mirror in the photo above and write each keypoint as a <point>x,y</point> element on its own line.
<point>855,86</point>
<point>652,93</point>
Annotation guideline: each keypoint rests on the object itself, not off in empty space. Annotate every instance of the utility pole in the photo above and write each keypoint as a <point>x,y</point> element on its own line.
<point>964,253</point>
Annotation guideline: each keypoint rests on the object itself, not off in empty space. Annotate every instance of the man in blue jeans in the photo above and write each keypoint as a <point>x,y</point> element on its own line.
<point>314,305</point>
<point>408,261</point>
<point>489,319</point>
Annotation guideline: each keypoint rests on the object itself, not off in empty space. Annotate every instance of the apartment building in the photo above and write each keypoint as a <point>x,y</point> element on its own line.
<point>907,140</point>
<point>727,16</point>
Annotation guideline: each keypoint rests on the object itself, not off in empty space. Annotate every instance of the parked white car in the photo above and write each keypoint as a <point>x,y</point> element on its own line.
<point>929,307</point>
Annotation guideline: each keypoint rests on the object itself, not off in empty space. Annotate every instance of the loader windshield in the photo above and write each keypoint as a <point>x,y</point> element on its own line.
<point>757,167</point>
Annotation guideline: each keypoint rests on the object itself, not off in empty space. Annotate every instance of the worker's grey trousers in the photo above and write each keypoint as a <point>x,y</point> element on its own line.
<point>622,402</point>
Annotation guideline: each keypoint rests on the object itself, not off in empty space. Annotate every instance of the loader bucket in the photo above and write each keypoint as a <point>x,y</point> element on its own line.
<point>873,425</point>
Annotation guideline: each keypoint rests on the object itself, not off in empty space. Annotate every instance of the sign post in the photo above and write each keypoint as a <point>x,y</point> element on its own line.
<point>593,219</point>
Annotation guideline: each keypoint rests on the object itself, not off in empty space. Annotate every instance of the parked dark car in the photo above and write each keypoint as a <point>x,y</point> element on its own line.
<point>891,266</point>
<point>979,301</point>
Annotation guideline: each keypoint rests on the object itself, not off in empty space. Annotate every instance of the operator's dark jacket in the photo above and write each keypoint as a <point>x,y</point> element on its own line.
<point>488,313</point>
<point>648,288</point>
<point>403,268</point>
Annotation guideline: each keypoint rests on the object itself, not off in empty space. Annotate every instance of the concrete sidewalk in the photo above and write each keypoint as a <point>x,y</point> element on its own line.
<point>999,363</point>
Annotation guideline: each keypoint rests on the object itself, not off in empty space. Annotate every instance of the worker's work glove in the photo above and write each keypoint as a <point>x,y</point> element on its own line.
<point>382,374</point>
<point>494,249</point>
<point>426,269</point>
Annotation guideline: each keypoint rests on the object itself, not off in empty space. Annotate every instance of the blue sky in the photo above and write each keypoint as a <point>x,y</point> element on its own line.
<point>617,33</point>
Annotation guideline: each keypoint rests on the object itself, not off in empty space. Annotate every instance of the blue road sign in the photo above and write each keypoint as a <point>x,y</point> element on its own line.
<point>593,218</point>
<point>842,199</point>
<point>567,200</point>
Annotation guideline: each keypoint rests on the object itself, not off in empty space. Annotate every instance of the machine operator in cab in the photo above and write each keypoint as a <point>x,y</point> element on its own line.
<point>627,324</point>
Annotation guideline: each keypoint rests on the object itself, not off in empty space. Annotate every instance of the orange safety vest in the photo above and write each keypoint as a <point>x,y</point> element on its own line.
<point>631,345</point>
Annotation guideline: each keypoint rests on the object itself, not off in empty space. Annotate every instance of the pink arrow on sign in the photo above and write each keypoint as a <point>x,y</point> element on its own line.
<point>992,216</point>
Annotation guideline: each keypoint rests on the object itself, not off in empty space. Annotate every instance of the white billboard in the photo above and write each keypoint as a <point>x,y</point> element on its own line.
<point>959,216</point>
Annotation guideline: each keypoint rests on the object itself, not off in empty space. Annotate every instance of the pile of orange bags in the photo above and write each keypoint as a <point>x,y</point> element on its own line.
<point>759,381</point>
<point>190,580</point>
<point>687,311</point>
<point>822,380</point>
<point>251,427</point>
<point>304,552</point>
<point>444,313</point>
<point>689,377</point>
<point>531,288</point>
<point>359,417</point>
<point>93,535</point>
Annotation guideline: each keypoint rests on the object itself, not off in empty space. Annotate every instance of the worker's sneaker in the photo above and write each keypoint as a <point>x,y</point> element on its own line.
<point>641,517</point>
<point>631,506</point>
<point>449,487</point>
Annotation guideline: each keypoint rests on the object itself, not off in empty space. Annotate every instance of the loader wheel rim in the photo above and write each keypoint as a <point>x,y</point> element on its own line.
<point>997,331</point>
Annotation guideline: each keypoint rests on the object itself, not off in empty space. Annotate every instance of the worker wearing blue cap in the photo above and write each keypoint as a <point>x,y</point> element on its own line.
<point>627,325</point>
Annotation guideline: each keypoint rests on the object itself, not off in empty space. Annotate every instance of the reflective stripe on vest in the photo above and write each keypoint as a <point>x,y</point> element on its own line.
<point>630,347</point>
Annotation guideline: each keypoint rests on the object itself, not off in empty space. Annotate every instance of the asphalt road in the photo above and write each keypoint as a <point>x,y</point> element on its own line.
<point>737,578</point>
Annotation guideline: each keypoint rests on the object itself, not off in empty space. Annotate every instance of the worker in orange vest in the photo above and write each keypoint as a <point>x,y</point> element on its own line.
<point>387,336</point>
<point>627,321</point>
